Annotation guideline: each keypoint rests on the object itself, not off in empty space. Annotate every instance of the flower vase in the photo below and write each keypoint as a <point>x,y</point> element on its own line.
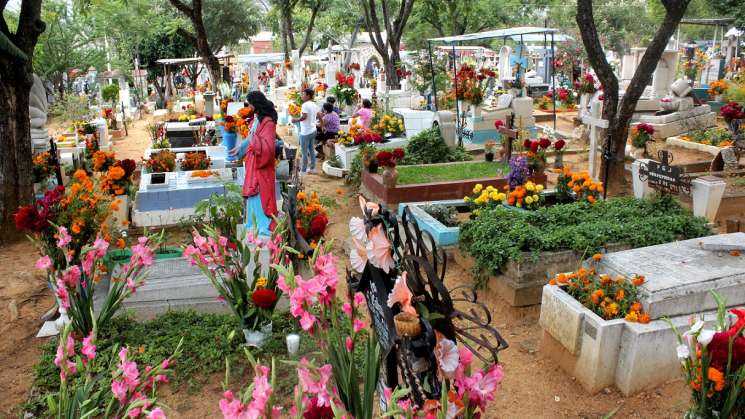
<point>390,177</point>
<point>559,161</point>
<point>228,140</point>
<point>638,153</point>
<point>257,337</point>
<point>293,343</point>
<point>63,318</point>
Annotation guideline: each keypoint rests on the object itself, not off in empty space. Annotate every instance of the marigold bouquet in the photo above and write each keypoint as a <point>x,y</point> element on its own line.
<point>101,160</point>
<point>484,198</point>
<point>608,297</point>
<point>388,124</point>
<point>226,261</point>
<point>119,177</point>
<point>41,169</point>
<point>713,363</point>
<point>161,161</point>
<point>641,134</point>
<point>230,124</point>
<point>718,87</point>
<point>311,218</point>
<point>195,160</point>
<point>224,106</point>
<point>294,109</point>
<point>584,188</point>
<point>528,196</point>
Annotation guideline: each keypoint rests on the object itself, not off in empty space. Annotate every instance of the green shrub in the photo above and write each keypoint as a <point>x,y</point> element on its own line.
<point>499,235</point>
<point>428,147</point>
<point>445,214</point>
<point>110,93</point>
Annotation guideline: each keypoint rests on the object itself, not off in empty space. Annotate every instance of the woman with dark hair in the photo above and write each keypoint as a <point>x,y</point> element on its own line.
<point>364,112</point>
<point>259,149</point>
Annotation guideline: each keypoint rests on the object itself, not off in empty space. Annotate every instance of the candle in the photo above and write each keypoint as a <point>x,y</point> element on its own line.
<point>293,343</point>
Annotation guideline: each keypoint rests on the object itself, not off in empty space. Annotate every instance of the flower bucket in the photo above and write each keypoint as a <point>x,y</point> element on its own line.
<point>229,140</point>
<point>257,337</point>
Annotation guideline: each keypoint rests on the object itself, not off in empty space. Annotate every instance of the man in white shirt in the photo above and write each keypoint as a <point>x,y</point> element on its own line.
<point>307,120</point>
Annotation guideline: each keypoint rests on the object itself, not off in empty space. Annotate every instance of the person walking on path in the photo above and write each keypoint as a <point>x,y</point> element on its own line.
<point>307,120</point>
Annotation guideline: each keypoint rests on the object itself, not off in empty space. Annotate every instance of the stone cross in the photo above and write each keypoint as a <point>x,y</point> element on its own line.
<point>594,120</point>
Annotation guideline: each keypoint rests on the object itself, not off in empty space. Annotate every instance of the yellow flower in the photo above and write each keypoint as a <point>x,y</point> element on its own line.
<point>529,186</point>
<point>476,212</point>
<point>478,188</point>
<point>490,188</point>
<point>535,198</point>
<point>494,196</point>
<point>467,199</point>
<point>528,200</point>
<point>539,188</point>
<point>261,282</point>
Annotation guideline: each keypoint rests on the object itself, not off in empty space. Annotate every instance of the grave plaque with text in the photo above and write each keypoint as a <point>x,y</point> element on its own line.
<point>663,177</point>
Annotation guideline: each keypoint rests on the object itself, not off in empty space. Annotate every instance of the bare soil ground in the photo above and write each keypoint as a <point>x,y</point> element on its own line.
<point>532,388</point>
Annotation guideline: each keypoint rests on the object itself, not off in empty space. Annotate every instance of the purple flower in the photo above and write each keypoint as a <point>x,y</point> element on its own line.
<point>518,171</point>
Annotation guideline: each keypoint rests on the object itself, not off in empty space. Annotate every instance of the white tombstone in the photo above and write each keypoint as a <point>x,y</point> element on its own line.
<point>641,188</point>
<point>707,192</point>
<point>297,69</point>
<point>103,132</point>
<point>331,68</point>
<point>664,74</point>
<point>629,64</point>
<point>594,120</point>
<point>505,69</point>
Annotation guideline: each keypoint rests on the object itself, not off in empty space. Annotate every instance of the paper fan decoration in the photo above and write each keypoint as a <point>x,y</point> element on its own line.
<point>358,256</point>
<point>357,229</point>
<point>402,295</point>
<point>379,249</point>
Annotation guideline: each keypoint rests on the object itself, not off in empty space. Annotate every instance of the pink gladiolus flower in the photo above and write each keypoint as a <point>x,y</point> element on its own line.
<point>88,261</point>
<point>347,309</point>
<point>63,237</point>
<point>120,390</point>
<point>358,325</point>
<point>62,294</point>
<point>166,364</point>
<point>142,255</point>
<point>359,299</point>
<point>318,388</point>
<point>276,412</point>
<point>71,277</point>
<point>446,353</point>
<point>156,413</point>
<point>307,320</point>
<point>101,246</point>
<point>481,387</point>
<point>44,263</point>
<point>349,343</point>
<point>89,349</point>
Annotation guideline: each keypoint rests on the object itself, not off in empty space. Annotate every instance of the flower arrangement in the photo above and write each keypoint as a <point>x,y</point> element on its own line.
<point>732,110</point>
<point>641,134</point>
<point>41,169</point>
<point>388,124</point>
<point>294,109</point>
<point>719,137</point>
<point>293,96</point>
<point>470,85</point>
<point>608,297</point>
<point>226,260</point>
<point>344,90</point>
<point>224,106</point>
<point>581,184</point>
<point>490,146</point>
<point>587,84</point>
<point>320,88</point>
<point>204,173</point>
<point>536,153</point>
<point>118,177</point>
<point>519,171</point>
<point>195,160</point>
<point>161,161</point>
<point>484,198</point>
<point>230,124</point>
<point>102,160</point>
<point>79,209</point>
<point>311,218</point>
<point>387,158</point>
<point>712,362</point>
<point>344,138</point>
<point>365,136</point>
<point>245,112</point>
<point>528,196</point>
<point>718,87</point>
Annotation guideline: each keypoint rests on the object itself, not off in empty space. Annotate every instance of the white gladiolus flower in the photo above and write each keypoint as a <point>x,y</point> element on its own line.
<point>705,337</point>
<point>683,352</point>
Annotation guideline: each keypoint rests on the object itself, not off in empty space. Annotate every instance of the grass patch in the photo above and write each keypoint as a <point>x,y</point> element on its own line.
<point>408,175</point>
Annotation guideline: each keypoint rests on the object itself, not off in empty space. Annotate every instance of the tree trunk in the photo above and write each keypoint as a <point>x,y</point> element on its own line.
<point>15,147</point>
<point>391,77</point>
<point>619,115</point>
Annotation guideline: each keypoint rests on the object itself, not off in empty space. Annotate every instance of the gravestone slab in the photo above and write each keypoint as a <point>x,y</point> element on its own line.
<point>679,275</point>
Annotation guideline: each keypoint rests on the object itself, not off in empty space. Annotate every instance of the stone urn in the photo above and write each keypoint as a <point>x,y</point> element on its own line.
<point>559,161</point>
<point>390,177</point>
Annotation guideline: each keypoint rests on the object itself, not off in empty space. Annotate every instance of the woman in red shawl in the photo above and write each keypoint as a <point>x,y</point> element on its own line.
<point>259,183</point>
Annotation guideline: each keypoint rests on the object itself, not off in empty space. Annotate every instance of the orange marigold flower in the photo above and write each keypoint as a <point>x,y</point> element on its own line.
<point>636,307</point>
<point>620,295</point>
<point>717,377</point>
<point>644,318</point>
<point>562,278</point>
<point>596,296</point>
<point>76,228</point>
<point>734,253</point>
<point>638,280</point>
<point>120,243</point>
<point>591,199</point>
<point>116,172</point>
<point>605,279</point>
<point>80,174</point>
<point>552,282</point>
<point>632,317</point>
<point>597,256</point>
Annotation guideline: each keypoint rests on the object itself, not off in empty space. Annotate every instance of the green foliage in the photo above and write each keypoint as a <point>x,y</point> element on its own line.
<point>162,44</point>
<point>206,344</point>
<point>499,235</point>
<point>71,108</point>
<point>228,21</point>
<point>110,93</point>
<point>457,171</point>
<point>445,214</point>
<point>223,212</point>
<point>428,147</point>
<point>354,176</point>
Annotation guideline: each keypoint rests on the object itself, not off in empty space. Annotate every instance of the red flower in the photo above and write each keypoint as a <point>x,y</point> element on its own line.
<point>527,143</point>
<point>559,144</point>
<point>649,129</point>
<point>313,411</point>
<point>264,298</point>
<point>534,146</point>
<point>26,218</point>
<point>544,142</point>
<point>732,110</point>
<point>398,153</point>
<point>498,123</point>
<point>318,225</point>
<point>129,167</point>
<point>719,351</point>
<point>563,94</point>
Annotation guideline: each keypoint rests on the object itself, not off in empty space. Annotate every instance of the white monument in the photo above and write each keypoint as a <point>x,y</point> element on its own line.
<point>682,116</point>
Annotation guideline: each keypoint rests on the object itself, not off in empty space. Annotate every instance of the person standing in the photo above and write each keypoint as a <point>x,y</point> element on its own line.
<point>259,149</point>
<point>307,120</point>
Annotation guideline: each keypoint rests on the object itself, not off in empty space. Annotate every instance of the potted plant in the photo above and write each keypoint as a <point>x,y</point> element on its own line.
<point>251,296</point>
<point>641,134</point>
<point>195,160</point>
<point>387,160</point>
<point>717,89</point>
<point>536,153</point>
<point>230,134</point>
<point>586,89</point>
<point>559,149</point>
<point>489,148</point>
